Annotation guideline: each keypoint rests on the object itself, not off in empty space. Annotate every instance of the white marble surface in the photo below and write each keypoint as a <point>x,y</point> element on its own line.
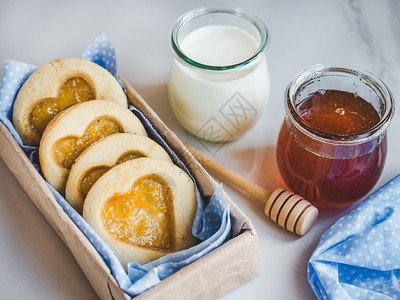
<point>35,263</point>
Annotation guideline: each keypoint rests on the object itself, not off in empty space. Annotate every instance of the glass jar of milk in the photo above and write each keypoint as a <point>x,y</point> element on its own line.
<point>219,82</point>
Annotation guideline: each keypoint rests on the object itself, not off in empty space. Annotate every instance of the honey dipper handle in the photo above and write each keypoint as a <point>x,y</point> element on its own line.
<point>285,208</point>
<point>229,175</point>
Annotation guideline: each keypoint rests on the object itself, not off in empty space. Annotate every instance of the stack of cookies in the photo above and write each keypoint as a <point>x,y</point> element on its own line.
<point>95,152</point>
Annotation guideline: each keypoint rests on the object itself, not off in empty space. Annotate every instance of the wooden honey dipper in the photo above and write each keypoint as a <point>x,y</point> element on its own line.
<point>285,208</point>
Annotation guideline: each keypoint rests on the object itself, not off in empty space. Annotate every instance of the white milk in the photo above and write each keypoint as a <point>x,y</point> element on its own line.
<point>219,45</point>
<point>218,105</point>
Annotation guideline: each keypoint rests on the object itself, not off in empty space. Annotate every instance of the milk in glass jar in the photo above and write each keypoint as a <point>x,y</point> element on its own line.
<point>219,82</point>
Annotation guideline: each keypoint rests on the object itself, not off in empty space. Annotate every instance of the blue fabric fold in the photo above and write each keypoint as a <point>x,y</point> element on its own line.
<point>359,256</point>
<point>212,223</point>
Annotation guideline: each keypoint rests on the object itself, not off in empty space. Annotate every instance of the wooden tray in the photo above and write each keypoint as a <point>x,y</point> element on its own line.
<point>211,276</point>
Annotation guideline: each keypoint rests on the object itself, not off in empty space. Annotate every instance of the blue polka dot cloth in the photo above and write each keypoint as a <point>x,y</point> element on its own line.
<point>359,256</point>
<point>212,225</point>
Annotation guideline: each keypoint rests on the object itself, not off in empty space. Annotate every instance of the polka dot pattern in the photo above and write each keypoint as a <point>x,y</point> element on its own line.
<point>102,52</point>
<point>359,256</point>
<point>212,223</point>
<point>14,75</point>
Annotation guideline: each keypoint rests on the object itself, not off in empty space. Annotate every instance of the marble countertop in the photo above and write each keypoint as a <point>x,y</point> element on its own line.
<point>34,262</point>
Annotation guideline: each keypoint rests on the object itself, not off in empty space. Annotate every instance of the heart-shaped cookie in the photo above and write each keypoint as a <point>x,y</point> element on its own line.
<point>143,209</point>
<point>56,86</point>
<point>73,130</point>
<point>142,215</point>
<point>102,156</point>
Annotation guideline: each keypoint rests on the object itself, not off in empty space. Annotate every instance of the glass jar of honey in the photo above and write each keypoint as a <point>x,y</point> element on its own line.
<point>332,145</point>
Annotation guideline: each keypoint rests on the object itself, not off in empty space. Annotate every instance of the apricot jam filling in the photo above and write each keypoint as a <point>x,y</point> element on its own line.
<point>67,150</point>
<point>92,175</point>
<point>129,155</point>
<point>90,178</point>
<point>73,91</point>
<point>142,215</point>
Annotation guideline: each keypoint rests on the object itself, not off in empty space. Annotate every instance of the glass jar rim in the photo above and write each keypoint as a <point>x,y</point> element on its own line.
<point>236,11</point>
<point>308,74</point>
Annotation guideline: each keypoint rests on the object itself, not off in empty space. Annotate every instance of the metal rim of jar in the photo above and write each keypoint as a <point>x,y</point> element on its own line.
<point>183,20</point>
<point>306,75</point>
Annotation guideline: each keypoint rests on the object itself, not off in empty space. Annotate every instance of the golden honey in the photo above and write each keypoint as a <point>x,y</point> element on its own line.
<point>142,215</point>
<point>74,90</point>
<point>92,175</point>
<point>67,150</point>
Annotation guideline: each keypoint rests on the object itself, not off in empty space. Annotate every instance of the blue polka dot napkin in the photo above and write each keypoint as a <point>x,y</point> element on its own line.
<point>359,256</point>
<point>212,224</point>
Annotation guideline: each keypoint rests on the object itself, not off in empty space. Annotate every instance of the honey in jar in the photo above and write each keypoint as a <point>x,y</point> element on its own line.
<point>332,146</point>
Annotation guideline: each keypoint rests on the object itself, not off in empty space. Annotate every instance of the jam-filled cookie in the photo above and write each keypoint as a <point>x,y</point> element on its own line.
<point>102,156</point>
<point>73,130</point>
<point>56,86</point>
<point>143,209</point>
